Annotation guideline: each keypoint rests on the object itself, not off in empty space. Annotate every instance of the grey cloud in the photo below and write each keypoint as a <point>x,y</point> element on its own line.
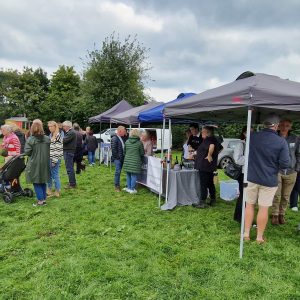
<point>199,43</point>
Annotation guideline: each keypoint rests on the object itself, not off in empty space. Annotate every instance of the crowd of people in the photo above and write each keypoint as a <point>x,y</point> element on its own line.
<point>273,170</point>
<point>45,153</point>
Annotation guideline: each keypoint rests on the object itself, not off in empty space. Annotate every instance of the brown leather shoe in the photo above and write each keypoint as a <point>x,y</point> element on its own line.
<point>117,189</point>
<point>281,219</point>
<point>275,220</point>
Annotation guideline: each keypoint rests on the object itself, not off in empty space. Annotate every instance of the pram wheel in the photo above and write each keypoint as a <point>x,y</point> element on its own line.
<point>7,197</point>
<point>28,192</point>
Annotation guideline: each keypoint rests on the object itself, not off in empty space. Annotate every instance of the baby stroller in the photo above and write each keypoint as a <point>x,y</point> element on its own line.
<point>9,179</point>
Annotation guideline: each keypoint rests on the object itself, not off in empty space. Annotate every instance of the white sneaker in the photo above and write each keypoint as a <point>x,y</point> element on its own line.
<point>133,191</point>
<point>295,208</point>
<point>126,190</point>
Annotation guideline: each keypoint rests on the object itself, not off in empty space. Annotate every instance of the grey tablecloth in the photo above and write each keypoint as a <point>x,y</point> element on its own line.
<point>184,188</point>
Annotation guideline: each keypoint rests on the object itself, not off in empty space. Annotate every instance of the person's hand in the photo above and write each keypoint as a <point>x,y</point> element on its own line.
<point>209,158</point>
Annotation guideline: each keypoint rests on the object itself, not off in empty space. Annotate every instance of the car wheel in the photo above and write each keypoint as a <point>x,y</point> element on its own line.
<point>225,161</point>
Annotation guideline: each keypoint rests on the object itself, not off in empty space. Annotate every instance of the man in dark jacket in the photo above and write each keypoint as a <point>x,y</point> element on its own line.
<point>268,154</point>
<point>117,149</point>
<point>69,147</point>
<point>286,178</point>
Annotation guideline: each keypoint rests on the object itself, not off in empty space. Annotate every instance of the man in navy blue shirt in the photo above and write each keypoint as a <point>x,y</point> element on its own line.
<point>268,154</point>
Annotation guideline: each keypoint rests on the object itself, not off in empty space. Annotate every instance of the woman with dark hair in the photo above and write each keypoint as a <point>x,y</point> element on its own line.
<point>206,162</point>
<point>37,171</point>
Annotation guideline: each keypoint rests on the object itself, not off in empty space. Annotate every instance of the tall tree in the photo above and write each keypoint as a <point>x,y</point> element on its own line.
<point>26,93</point>
<point>63,100</point>
<point>117,71</point>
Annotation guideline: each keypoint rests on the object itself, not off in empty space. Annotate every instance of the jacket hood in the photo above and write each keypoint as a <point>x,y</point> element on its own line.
<point>133,139</point>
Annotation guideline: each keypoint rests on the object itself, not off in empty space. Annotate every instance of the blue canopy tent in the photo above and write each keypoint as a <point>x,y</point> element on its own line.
<point>155,114</point>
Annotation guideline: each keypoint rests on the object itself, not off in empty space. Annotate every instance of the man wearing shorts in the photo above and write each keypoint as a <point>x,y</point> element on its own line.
<point>268,153</point>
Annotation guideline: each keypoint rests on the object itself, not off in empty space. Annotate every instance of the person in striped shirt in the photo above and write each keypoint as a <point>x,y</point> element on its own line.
<point>10,142</point>
<point>56,153</point>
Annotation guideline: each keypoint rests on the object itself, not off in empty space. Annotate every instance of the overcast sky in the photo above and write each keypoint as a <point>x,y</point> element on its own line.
<point>194,45</point>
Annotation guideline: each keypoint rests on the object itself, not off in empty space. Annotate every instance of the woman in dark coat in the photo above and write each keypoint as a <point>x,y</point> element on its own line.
<point>91,146</point>
<point>133,151</point>
<point>37,171</point>
<point>206,162</point>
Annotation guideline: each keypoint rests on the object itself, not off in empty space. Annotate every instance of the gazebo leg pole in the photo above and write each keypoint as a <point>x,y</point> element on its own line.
<point>100,146</point>
<point>245,180</point>
<point>108,153</point>
<point>161,162</point>
<point>168,162</point>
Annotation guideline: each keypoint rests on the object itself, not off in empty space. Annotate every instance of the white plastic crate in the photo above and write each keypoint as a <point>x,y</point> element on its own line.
<point>229,190</point>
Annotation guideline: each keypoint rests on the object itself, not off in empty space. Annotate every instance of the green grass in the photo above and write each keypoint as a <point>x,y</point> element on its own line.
<point>93,243</point>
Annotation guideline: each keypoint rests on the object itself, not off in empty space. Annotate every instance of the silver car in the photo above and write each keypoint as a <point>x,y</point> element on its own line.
<point>226,155</point>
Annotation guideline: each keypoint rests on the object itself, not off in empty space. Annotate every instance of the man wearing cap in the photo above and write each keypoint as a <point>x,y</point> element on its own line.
<point>286,178</point>
<point>268,154</point>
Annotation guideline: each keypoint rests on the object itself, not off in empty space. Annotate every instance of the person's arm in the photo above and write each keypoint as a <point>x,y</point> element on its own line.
<point>238,154</point>
<point>142,150</point>
<point>69,136</point>
<point>297,153</point>
<point>284,156</point>
<point>211,150</point>
<point>114,147</point>
<point>28,148</point>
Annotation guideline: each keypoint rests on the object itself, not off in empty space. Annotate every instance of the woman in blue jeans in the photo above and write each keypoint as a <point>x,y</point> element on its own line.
<point>56,153</point>
<point>91,145</point>
<point>37,171</point>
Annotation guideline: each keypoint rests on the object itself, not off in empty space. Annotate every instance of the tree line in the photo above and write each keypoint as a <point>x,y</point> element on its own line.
<point>116,71</point>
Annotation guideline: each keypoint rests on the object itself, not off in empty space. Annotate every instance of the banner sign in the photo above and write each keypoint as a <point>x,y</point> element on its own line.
<point>150,175</point>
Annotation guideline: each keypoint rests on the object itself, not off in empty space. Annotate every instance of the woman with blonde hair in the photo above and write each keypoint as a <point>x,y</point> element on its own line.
<point>37,171</point>
<point>56,153</point>
<point>133,151</point>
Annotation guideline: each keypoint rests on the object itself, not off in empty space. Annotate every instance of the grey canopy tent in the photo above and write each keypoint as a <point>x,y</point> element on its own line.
<point>107,116</point>
<point>130,117</point>
<point>251,96</point>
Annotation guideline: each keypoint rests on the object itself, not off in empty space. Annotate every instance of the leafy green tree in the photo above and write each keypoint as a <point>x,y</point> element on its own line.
<point>63,100</point>
<point>116,71</point>
<point>24,93</point>
<point>7,80</point>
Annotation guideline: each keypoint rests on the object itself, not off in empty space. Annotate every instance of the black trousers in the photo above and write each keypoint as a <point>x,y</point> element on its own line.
<point>239,202</point>
<point>295,193</point>
<point>207,183</point>
<point>78,157</point>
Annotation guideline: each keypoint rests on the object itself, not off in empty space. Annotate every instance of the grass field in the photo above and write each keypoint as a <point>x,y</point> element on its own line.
<point>93,243</point>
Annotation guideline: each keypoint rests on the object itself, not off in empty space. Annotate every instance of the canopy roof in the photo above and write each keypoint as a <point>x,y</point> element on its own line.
<point>263,93</point>
<point>130,117</point>
<point>106,116</point>
<point>155,114</point>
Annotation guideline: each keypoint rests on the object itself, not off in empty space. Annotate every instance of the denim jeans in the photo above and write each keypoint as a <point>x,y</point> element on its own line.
<point>118,165</point>
<point>131,180</point>
<point>54,170</point>
<point>91,157</point>
<point>40,191</point>
<point>69,161</point>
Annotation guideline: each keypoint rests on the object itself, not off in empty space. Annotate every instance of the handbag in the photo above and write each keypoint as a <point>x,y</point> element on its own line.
<point>233,170</point>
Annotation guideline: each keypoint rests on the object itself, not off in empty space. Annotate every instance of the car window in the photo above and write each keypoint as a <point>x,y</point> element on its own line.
<point>232,144</point>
